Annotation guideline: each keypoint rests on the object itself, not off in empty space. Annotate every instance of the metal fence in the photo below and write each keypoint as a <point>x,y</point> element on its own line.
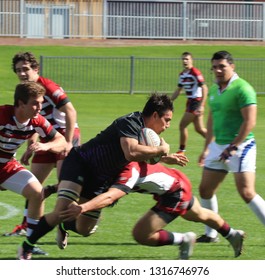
<point>135,74</point>
<point>158,19</point>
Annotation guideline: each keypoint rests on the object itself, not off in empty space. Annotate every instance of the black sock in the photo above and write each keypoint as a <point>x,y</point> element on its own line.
<point>182,147</point>
<point>24,220</point>
<point>70,226</point>
<point>40,230</point>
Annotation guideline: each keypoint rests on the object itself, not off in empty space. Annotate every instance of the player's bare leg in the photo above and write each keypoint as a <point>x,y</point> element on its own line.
<point>33,193</point>
<point>149,231</point>
<point>199,125</point>
<point>214,220</point>
<point>207,188</point>
<point>186,119</point>
<point>245,182</point>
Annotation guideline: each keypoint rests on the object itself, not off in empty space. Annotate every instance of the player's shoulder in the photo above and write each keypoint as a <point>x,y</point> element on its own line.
<point>195,71</point>
<point>6,107</point>
<point>242,81</point>
<point>6,111</point>
<point>44,81</point>
<point>244,85</point>
<point>131,117</point>
<point>49,85</point>
<point>182,73</point>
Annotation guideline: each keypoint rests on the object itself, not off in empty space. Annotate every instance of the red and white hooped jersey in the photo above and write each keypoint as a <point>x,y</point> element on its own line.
<point>13,134</point>
<point>54,98</point>
<point>152,179</point>
<point>191,81</point>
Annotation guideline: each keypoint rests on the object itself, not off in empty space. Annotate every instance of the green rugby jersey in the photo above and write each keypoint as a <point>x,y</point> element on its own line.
<point>226,106</point>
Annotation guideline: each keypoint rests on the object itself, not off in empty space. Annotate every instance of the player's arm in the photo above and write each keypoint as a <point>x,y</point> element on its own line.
<point>103,200</point>
<point>98,202</point>
<point>134,151</point>
<point>204,94</point>
<point>209,135</point>
<point>70,119</point>
<point>200,109</point>
<point>176,93</point>
<point>208,139</point>
<point>28,153</point>
<point>204,99</point>
<point>249,114</point>
<point>56,144</point>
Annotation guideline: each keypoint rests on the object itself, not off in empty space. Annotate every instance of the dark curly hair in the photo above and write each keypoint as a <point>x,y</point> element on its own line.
<point>27,57</point>
<point>158,102</point>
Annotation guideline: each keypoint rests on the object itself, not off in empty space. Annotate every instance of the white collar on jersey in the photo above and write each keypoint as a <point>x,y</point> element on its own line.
<point>20,125</point>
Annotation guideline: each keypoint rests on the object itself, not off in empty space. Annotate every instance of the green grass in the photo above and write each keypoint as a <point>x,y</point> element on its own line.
<point>9,79</point>
<point>113,241</point>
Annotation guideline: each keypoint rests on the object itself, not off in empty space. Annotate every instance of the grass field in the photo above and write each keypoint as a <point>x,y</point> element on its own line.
<point>113,241</point>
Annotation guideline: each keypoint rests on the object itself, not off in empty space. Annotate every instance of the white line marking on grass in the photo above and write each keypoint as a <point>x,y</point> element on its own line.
<point>10,210</point>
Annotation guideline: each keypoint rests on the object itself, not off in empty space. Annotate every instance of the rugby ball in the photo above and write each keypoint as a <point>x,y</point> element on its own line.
<point>149,137</point>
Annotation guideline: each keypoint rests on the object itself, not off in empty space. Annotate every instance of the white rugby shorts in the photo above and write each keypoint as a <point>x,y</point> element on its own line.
<point>19,181</point>
<point>243,161</point>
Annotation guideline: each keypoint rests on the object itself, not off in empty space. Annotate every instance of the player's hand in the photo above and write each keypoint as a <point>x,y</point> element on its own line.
<point>38,146</point>
<point>227,153</point>
<point>72,212</point>
<point>26,156</point>
<point>165,146</point>
<point>199,111</point>
<point>175,158</point>
<point>68,148</point>
<point>202,157</point>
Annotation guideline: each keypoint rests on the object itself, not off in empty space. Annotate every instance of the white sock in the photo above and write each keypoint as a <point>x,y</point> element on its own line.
<point>211,204</point>
<point>231,231</point>
<point>32,222</point>
<point>257,205</point>
<point>178,238</point>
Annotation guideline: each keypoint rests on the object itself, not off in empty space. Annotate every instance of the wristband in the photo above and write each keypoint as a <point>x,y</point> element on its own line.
<point>230,148</point>
<point>233,147</point>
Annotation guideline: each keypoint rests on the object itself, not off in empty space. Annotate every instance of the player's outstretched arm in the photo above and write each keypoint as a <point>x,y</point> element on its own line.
<point>99,202</point>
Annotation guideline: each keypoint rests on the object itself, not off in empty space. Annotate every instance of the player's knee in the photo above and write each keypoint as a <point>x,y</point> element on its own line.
<point>205,193</point>
<point>139,236</point>
<point>201,130</point>
<point>35,194</point>
<point>247,195</point>
<point>182,126</point>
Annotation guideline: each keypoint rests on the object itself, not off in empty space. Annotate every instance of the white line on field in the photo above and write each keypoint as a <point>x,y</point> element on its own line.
<point>11,211</point>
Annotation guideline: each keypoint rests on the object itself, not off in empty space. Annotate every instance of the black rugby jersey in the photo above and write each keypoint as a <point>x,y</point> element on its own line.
<point>103,153</point>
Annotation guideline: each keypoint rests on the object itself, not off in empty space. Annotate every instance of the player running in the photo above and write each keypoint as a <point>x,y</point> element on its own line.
<point>17,124</point>
<point>192,81</point>
<point>59,111</point>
